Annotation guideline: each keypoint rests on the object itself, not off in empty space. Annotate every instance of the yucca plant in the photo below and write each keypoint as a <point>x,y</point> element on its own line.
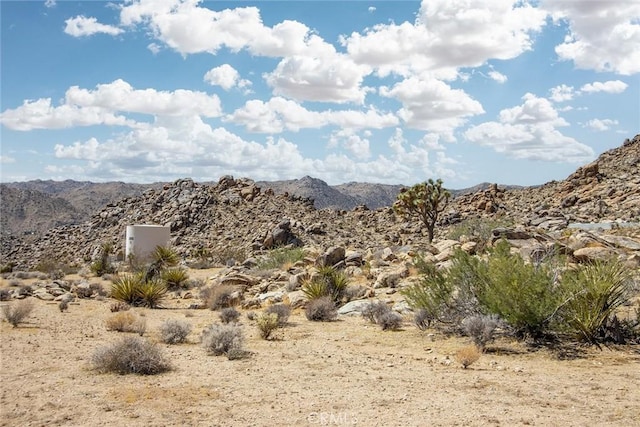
<point>595,292</point>
<point>327,282</point>
<point>151,293</point>
<point>126,288</point>
<point>175,278</point>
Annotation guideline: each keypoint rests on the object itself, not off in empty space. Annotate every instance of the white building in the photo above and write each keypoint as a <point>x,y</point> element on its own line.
<point>141,240</point>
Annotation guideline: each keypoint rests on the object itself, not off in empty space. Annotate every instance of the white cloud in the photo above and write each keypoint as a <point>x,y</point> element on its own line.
<point>611,86</point>
<point>430,104</point>
<point>528,131</point>
<point>154,48</point>
<point>604,35</point>
<point>83,26</point>
<point>562,93</point>
<point>358,146</point>
<point>448,34</point>
<point>50,3</point>
<point>7,159</point>
<point>371,9</point>
<point>499,77</point>
<point>226,77</point>
<point>601,125</point>
<point>278,114</point>
<point>84,107</point>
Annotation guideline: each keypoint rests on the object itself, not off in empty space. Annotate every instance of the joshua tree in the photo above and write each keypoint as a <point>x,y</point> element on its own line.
<point>424,201</point>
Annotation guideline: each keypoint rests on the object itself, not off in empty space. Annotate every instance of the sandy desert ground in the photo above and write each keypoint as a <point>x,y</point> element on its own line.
<point>347,372</point>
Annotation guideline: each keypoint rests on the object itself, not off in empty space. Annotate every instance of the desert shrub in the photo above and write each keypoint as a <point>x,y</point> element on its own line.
<point>321,309</point>
<point>5,295</point>
<point>102,266</point>
<point>228,255</point>
<point>468,355</point>
<point>327,282</point>
<point>390,321</point>
<point>522,294</point>
<point>432,294</point>
<point>267,323</point>
<point>175,278</point>
<point>221,297</point>
<point>151,293</point>
<point>281,258</point>
<point>25,291</point>
<point>17,312</point>
<point>480,328</point>
<point>421,319</point>
<point>479,229</point>
<point>174,331</point>
<point>593,293</point>
<point>374,310</point>
<point>98,289</point>
<point>164,257</point>
<point>119,306</point>
<point>131,355</point>
<point>63,305</point>
<point>282,311</point>
<point>229,315</point>
<point>125,321</point>
<point>220,339</point>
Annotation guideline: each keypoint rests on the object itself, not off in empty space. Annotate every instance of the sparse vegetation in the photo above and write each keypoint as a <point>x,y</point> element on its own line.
<point>374,310</point>
<point>424,201</point>
<point>321,309</point>
<point>222,297</point>
<point>282,312</point>
<point>390,321</point>
<point>220,339</point>
<point>281,258</point>
<point>130,355</point>
<point>175,278</point>
<point>468,355</point>
<point>480,328</point>
<point>267,323</point>
<point>174,331</point>
<point>229,315</point>
<point>17,312</point>
<point>102,265</point>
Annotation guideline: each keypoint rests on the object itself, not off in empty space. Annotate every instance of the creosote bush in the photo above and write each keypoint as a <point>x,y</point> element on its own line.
<point>17,312</point>
<point>174,331</point>
<point>229,315</point>
<point>468,355</point>
<point>321,309</point>
<point>131,355</point>
<point>267,323</point>
<point>220,339</point>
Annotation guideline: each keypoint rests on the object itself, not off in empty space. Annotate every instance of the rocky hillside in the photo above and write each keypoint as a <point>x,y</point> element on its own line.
<point>238,215</point>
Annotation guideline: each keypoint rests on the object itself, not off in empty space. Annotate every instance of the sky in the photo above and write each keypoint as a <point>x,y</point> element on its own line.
<point>394,92</point>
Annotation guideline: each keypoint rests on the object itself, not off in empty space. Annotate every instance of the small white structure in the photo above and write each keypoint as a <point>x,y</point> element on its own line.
<point>141,240</point>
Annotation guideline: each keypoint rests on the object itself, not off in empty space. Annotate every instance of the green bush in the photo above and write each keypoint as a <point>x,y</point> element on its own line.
<point>131,355</point>
<point>280,258</point>
<point>593,293</point>
<point>524,295</point>
<point>134,290</point>
<point>432,295</point>
<point>327,282</point>
<point>151,293</point>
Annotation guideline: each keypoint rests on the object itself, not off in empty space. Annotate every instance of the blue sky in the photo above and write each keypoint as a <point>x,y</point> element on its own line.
<point>396,92</point>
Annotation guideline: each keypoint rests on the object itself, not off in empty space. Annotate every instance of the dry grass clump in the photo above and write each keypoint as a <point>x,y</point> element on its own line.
<point>131,355</point>
<point>17,312</point>
<point>468,355</point>
<point>222,297</point>
<point>126,321</point>
<point>220,339</point>
<point>174,331</point>
<point>390,321</point>
<point>321,309</point>
<point>480,328</point>
<point>267,323</point>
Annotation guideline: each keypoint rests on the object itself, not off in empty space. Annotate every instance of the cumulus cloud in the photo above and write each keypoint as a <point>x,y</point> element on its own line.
<point>499,77</point>
<point>611,86</point>
<point>83,107</point>
<point>80,26</point>
<point>357,145</point>
<point>603,36</point>
<point>601,125</point>
<point>154,48</point>
<point>226,77</point>
<point>279,114</point>
<point>529,131</point>
<point>432,105</point>
<point>448,34</point>
<point>562,93</point>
